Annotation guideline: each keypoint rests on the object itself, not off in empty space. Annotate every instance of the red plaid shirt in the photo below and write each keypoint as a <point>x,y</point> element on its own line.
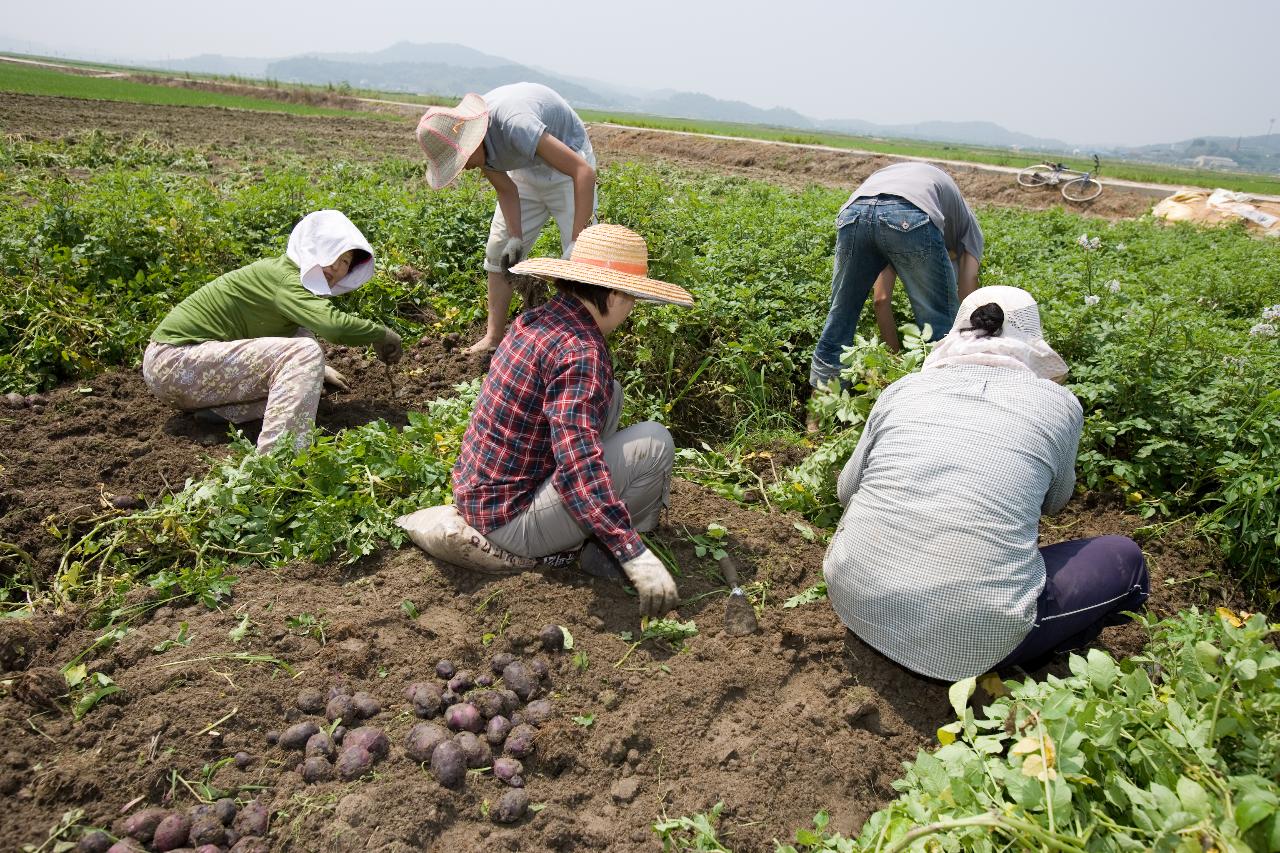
<point>539,415</point>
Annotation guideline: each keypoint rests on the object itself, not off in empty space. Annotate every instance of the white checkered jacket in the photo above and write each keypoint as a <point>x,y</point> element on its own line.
<point>935,561</point>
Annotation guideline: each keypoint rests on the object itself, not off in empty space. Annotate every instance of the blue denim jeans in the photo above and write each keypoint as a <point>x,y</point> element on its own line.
<point>872,234</point>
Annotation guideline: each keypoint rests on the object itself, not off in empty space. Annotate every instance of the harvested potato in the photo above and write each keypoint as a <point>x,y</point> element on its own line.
<point>297,735</point>
<point>497,730</point>
<point>540,667</point>
<point>445,669</point>
<point>427,699</point>
<point>366,705</point>
<point>142,826</point>
<point>342,709</point>
<point>354,762</point>
<point>511,806</point>
<point>251,845</point>
<point>243,760</point>
<point>520,742</point>
<point>489,703</point>
<point>476,750</point>
<point>449,764</point>
<point>369,738</point>
<point>253,820</point>
<point>538,712</point>
<point>321,744</point>
<point>509,770</point>
<point>462,681</point>
<point>127,845</point>
<point>273,737</point>
<point>225,809</point>
<point>172,832</point>
<point>501,661</point>
<point>94,841</point>
<point>316,769</point>
<point>339,733</point>
<point>551,637</point>
<point>520,679</point>
<point>484,679</point>
<point>464,718</point>
<point>207,830</point>
<point>423,740</point>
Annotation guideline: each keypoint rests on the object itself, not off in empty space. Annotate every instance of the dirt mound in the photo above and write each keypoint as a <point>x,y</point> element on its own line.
<point>778,725</point>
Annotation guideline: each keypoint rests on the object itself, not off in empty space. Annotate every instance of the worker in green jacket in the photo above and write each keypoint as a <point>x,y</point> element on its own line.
<point>243,346</point>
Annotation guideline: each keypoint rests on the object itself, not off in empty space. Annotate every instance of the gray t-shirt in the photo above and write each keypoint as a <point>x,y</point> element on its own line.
<point>519,113</point>
<point>934,192</point>
<point>935,561</point>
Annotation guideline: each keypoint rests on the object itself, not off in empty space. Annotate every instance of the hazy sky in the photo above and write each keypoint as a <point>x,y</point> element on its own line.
<point>1113,72</point>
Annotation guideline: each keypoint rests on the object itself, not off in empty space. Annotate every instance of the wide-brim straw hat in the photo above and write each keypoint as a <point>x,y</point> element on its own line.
<point>609,256</point>
<point>449,136</point>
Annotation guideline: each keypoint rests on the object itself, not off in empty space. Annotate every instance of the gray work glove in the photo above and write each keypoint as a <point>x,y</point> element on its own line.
<point>653,583</point>
<point>389,349</point>
<point>334,379</point>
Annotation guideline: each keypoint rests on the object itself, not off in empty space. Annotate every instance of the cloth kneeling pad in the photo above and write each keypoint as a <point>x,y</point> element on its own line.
<point>442,533</point>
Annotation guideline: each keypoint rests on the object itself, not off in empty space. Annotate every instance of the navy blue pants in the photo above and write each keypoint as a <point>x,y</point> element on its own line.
<point>1088,583</point>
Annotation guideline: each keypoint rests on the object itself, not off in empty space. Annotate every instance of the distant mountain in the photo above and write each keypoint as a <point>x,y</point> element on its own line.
<point>1234,153</point>
<point>454,69</point>
<point>212,63</point>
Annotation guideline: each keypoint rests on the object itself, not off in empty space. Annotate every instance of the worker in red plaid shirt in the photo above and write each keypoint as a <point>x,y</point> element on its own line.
<point>543,467</point>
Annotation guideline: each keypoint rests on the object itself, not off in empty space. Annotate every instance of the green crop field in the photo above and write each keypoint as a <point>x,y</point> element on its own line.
<point>32,80</point>
<point>1170,332</point>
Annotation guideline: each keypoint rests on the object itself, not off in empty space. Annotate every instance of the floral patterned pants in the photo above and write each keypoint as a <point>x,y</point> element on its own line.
<point>277,379</point>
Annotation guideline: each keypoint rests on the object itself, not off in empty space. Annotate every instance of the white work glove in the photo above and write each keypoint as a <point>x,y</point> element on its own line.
<point>335,379</point>
<point>653,583</point>
<point>389,349</point>
<point>512,253</point>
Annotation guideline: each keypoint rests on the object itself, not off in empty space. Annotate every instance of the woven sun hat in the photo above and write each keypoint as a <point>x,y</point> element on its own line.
<point>609,256</point>
<point>449,136</point>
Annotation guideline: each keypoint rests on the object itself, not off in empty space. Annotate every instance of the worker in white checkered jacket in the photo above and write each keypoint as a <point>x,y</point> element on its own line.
<point>936,561</point>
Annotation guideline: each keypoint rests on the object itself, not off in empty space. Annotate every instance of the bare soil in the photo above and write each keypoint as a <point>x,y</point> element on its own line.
<point>799,717</point>
<point>46,118</point>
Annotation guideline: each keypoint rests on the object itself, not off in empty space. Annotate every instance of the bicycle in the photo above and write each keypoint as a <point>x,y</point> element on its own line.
<point>1081,186</point>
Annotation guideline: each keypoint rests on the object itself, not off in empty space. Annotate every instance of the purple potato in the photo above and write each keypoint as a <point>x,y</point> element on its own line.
<point>354,762</point>
<point>94,841</point>
<point>341,708</point>
<point>464,718</point>
<point>520,679</point>
<point>509,770</point>
<point>448,698</point>
<point>172,832</point>
<point>273,737</point>
<point>488,702</point>
<point>445,669</point>
<point>338,690</point>
<point>339,733</point>
<point>476,750</point>
<point>142,826</point>
<point>316,769</point>
<point>207,830</point>
<point>225,809</point>
<point>510,701</point>
<point>311,701</point>
<point>462,681</point>
<point>484,679</point>
<point>519,742</point>
<point>501,661</point>
<point>253,819</point>
<point>497,730</point>
<point>244,759</point>
<point>199,810</point>
<point>427,699</point>
<point>449,764</point>
<point>208,848</point>
<point>511,806</point>
<point>552,638</point>
<point>540,667</point>
<point>369,738</point>
<point>320,744</point>
<point>296,736</point>
<point>423,740</point>
<point>539,711</point>
<point>366,705</point>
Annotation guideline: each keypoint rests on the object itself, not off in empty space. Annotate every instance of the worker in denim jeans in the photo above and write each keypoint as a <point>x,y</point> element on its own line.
<point>909,218</point>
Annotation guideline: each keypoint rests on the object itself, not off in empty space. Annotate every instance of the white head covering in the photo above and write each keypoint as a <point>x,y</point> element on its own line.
<point>1019,345</point>
<point>319,240</point>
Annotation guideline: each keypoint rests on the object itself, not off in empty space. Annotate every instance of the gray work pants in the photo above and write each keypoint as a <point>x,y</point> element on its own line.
<point>639,459</point>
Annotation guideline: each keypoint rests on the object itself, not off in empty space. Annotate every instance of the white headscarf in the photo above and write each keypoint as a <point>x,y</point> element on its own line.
<point>1019,345</point>
<point>319,240</point>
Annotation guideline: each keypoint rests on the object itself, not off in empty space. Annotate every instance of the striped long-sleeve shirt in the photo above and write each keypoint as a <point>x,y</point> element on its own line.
<point>935,560</point>
<point>539,416</point>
